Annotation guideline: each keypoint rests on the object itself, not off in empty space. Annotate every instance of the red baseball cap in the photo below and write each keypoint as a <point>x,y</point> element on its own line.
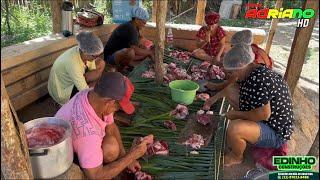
<point>125,103</point>
<point>118,87</point>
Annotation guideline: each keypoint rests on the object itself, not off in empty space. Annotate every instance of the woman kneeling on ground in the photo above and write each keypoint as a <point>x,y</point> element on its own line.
<point>262,107</point>
<point>261,57</point>
<point>210,40</point>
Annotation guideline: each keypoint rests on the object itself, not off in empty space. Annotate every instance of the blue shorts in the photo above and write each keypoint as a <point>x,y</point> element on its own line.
<point>268,137</point>
<point>111,59</point>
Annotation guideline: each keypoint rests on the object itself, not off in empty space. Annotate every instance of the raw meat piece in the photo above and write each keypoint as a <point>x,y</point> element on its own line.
<point>209,112</point>
<point>169,124</point>
<point>203,118</point>
<point>195,141</point>
<point>203,96</point>
<point>200,111</point>
<point>45,135</point>
<point>194,152</point>
<point>180,112</point>
<point>142,176</point>
<point>181,55</point>
<point>158,148</point>
<point>148,74</point>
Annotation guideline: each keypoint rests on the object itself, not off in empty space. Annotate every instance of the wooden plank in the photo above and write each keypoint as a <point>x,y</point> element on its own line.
<point>28,83</point>
<point>187,31</point>
<point>273,28</point>
<point>30,96</point>
<point>20,53</point>
<point>201,7</point>
<point>15,162</point>
<point>160,38</point>
<point>56,15</point>
<point>15,74</point>
<point>154,10</point>
<point>299,48</point>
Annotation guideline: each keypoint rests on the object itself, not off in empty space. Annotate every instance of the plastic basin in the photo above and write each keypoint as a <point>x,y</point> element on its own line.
<point>183,91</point>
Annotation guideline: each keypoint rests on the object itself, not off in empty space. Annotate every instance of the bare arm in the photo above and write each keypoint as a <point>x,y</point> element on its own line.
<point>94,75</point>
<point>111,170</point>
<point>113,130</point>
<point>221,47</point>
<point>258,114</point>
<point>140,51</point>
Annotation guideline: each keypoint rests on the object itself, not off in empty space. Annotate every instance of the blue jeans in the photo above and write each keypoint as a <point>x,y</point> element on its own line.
<point>268,137</point>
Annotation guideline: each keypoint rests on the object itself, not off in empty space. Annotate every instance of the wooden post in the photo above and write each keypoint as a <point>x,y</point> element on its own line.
<point>154,10</point>
<point>201,7</point>
<point>160,38</point>
<point>299,48</point>
<point>273,28</point>
<point>15,161</point>
<point>56,15</point>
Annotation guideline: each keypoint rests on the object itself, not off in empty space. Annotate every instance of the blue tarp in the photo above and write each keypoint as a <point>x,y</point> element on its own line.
<point>122,10</point>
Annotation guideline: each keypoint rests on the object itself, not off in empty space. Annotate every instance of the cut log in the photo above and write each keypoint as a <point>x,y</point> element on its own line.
<point>201,7</point>
<point>273,28</point>
<point>15,162</point>
<point>299,48</point>
<point>160,38</point>
<point>30,96</point>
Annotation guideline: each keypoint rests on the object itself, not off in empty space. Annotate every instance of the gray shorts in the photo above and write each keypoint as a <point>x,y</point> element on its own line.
<point>268,137</point>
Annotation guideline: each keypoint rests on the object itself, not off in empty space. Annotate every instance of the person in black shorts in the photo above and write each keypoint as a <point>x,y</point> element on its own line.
<point>262,112</point>
<point>123,47</point>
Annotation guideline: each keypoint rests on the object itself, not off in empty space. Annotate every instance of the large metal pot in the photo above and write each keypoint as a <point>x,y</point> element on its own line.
<point>54,160</point>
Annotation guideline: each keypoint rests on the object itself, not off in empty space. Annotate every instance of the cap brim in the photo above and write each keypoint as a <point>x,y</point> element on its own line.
<point>127,107</point>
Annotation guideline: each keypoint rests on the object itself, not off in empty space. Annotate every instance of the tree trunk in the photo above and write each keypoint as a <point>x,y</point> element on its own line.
<point>56,15</point>
<point>273,28</point>
<point>299,48</point>
<point>15,162</point>
<point>201,7</point>
<point>7,17</point>
<point>154,10</point>
<point>160,37</point>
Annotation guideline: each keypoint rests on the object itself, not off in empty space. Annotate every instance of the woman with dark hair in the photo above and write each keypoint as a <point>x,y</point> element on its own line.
<point>210,39</point>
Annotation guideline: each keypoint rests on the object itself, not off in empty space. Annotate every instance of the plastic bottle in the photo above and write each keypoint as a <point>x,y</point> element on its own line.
<point>170,38</point>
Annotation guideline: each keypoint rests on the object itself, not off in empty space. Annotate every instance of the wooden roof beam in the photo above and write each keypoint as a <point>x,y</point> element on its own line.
<point>299,48</point>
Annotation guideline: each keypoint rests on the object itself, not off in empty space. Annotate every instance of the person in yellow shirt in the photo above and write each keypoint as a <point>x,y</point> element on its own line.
<point>76,69</point>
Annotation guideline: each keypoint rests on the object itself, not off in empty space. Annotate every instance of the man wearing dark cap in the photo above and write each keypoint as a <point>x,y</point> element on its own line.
<point>96,139</point>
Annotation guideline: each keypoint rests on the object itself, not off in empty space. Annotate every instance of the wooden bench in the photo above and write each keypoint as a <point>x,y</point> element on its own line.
<point>25,67</point>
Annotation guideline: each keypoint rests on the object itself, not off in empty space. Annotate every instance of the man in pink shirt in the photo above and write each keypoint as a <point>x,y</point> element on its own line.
<point>95,137</point>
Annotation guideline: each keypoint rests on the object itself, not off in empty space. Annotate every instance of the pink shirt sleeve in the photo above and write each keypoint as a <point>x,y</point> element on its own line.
<point>201,34</point>
<point>89,151</point>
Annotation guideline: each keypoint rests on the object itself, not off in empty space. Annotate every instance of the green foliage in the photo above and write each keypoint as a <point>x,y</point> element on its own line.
<point>148,5</point>
<point>25,23</point>
<point>237,22</point>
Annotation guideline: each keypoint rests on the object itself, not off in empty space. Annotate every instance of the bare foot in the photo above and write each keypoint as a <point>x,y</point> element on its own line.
<point>230,159</point>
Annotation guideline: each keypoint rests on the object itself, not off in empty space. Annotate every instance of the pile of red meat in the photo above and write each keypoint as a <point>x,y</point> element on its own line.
<point>175,73</point>
<point>170,125</point>
<point>139,175</point>
<point>153,147</point>
<point>204,117</point>
<point>181,55</point>
<point>149,74</point>
<point>195,141</point>
<point>180,112</point>
<point>158,148</point>
<point>203,96</point>
<point>204,71</point>
<point>45,135</point>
